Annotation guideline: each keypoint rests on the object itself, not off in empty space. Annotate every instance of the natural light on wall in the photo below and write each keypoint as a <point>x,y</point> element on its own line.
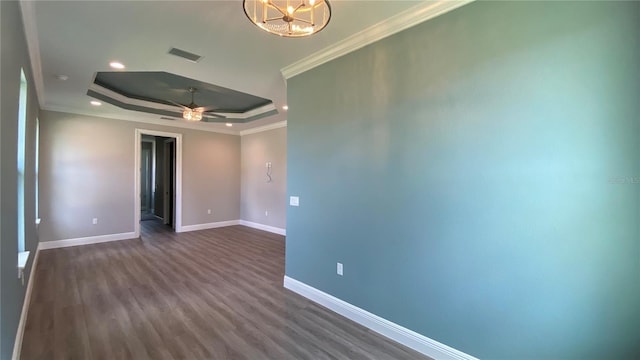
<point>22,127</point>
<point>37,170</point>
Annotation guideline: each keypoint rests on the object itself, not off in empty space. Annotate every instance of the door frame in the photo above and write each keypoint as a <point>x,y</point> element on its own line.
<point>178,175</point>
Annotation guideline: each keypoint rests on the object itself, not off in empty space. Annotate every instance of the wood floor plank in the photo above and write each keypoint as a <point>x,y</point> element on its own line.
<point>211,294</point>
<point>70,336</point>
<point>38,340</point>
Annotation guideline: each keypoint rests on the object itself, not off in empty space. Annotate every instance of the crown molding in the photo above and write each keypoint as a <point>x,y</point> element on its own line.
<point>259,129</point>
<point>33,45</point>
<point>404,20</point>
<point>147,119</point>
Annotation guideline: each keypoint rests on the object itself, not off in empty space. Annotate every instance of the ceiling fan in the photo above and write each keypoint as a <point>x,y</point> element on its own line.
<point>193,112</point>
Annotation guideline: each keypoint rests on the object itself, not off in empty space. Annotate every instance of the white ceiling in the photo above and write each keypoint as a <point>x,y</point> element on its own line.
<point>79,38</point>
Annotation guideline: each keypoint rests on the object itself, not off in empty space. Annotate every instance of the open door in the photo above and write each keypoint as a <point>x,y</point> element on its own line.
<point>146,178</point>
<point>169,198</point>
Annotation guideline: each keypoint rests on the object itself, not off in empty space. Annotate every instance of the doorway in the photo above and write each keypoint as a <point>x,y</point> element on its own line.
<point>158,179</point>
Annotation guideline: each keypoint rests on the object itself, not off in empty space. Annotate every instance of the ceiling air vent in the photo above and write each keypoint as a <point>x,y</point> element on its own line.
<point>166,118</point>
<point>185,54</point>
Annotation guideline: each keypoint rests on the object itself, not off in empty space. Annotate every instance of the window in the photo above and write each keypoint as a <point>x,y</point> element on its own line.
<point>22,129</point>
<point>37,171</point>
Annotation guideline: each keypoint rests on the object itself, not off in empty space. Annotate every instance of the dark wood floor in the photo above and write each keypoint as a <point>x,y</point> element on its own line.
<point>212,294</point>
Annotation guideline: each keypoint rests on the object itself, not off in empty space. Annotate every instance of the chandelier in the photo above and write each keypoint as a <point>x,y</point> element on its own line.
<point>290,18</point>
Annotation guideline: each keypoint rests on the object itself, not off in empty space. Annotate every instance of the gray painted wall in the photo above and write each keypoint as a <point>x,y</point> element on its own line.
<point>85,176</point>
<point>478,177</point>
<point>258,195</point>
<point>14,57</point>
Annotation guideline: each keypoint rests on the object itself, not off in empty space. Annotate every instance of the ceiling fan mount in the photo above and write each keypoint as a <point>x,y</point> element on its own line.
<point>192,105</point>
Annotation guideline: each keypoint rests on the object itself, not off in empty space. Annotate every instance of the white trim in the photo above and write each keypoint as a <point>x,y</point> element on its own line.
<point>214,225</point>
<point>17,346</point>
<point>136,170</point>
<point>33,45</point>
<point>277,125</point>
<point>401,21</point>
<point>393,331</point>
<point>145,118</point>
<point>45,245</point>
<point>271,229</point>
<point>23,257</point>
<point>251,113</point>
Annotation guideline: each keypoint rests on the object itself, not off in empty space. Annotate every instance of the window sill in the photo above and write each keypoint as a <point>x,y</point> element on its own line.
<point>23,257</point>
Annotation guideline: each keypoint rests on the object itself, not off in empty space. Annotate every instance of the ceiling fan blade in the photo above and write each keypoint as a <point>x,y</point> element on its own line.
<point>208,108</point>
<point>178,104</point>
<point>214,115</point>
<point>210,111</point>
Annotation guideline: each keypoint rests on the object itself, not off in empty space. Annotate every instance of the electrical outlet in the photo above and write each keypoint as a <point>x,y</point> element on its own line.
<point>209,211</point>
<point>268,165</point>
<point>95,221</point>
<point>294,201</point>
<point>339,269</point>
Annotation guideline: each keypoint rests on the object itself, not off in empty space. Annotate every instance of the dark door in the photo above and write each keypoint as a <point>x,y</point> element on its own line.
<point>170,182</point>
<point>145,177</point>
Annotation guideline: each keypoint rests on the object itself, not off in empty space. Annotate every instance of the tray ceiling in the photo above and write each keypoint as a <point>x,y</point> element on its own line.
<point>78,39</point>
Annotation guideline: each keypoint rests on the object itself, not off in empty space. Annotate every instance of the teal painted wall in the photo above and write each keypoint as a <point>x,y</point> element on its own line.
<point>14,57</point>
<point>479,177</point>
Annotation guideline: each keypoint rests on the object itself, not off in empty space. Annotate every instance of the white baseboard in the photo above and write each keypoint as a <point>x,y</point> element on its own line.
<point>17,346</point>
<point>268,228</point>
<point>187,228</point>
<point>382,326</point>
<point>44,245</point>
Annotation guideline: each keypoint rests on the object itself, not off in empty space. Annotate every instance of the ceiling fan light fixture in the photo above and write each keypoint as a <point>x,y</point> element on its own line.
<point>289,18</point>
<point>192,114</point>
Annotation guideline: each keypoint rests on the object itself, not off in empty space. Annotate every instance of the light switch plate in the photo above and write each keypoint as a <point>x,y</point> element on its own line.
<point>339,269</point>
<point>294,201</point>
